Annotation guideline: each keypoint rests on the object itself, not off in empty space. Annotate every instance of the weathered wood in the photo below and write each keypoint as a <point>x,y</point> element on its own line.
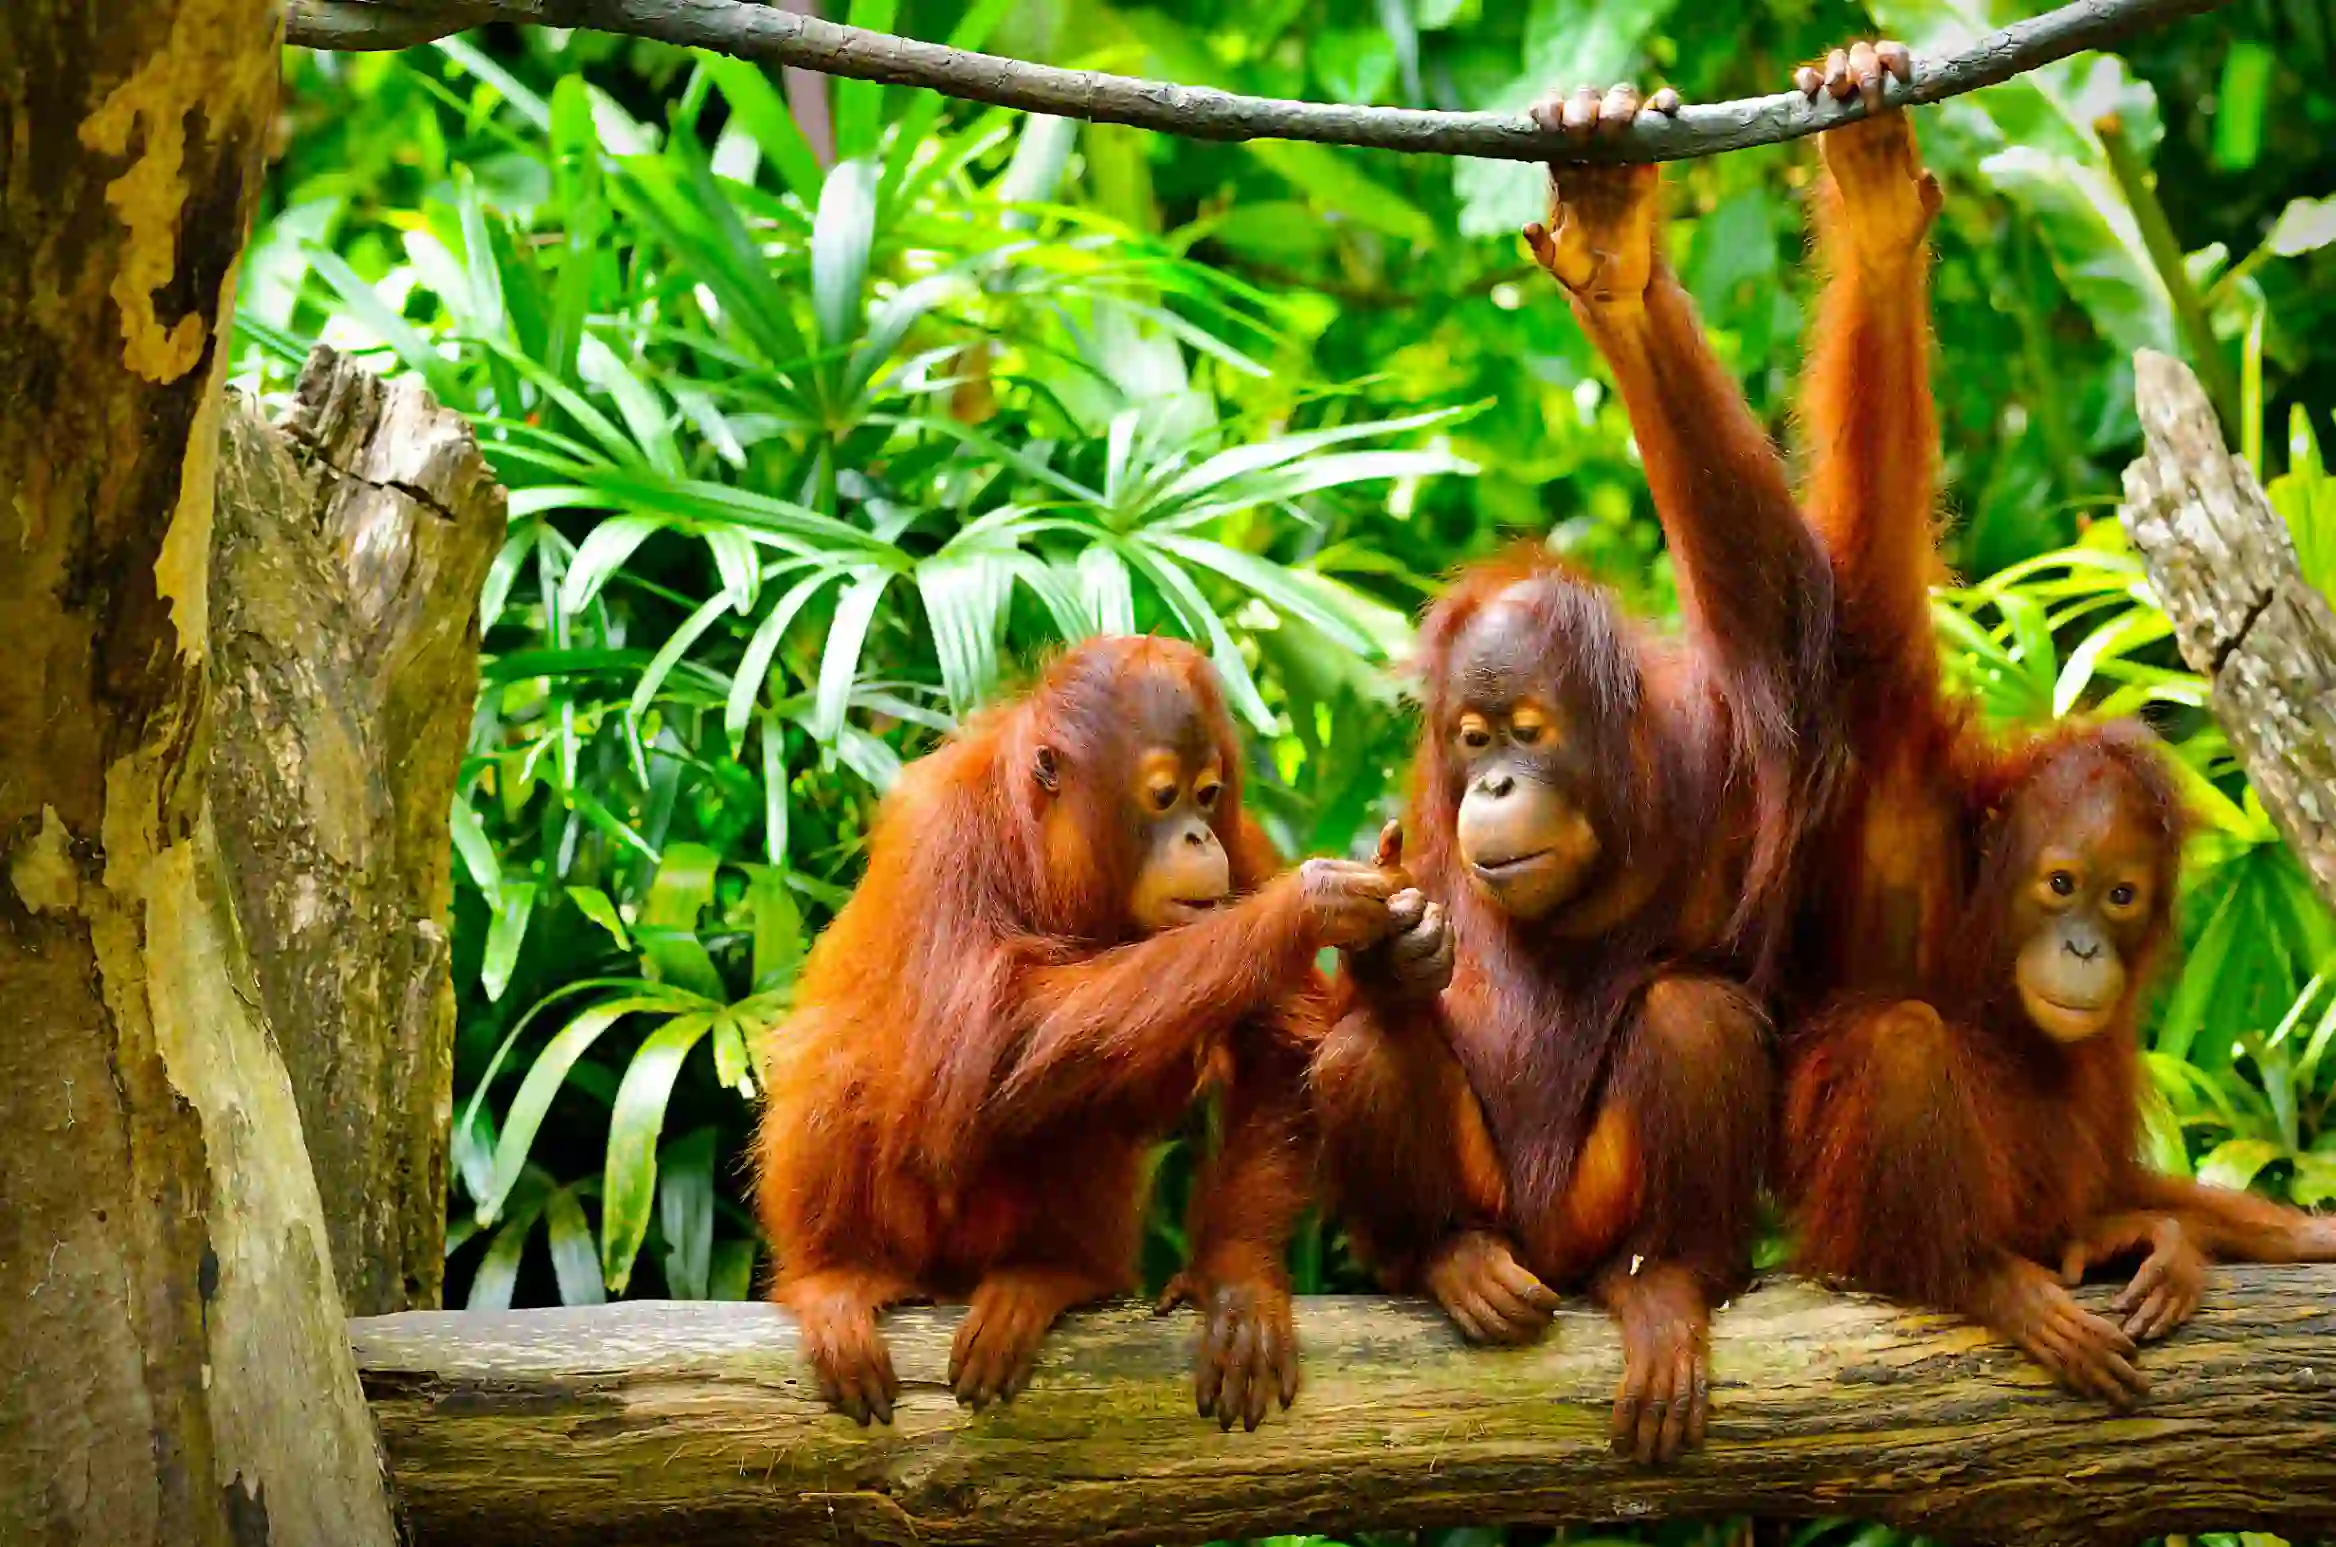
<point>347,557</point>
<point>698,1425</point>
<point>176,1365</point>
<point>2224,568</point>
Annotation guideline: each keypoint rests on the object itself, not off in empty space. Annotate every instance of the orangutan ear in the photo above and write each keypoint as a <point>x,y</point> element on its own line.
<point>1049,775</point>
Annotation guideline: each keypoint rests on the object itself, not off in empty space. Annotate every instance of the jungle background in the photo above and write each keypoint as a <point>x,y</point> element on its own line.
<point>827,409</point>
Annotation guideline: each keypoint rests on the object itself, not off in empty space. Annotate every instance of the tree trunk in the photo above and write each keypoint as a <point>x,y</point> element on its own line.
<point>177,1367</point>
<point>347,557</point>
<point>698,1425</point>
<point>2224,568</point>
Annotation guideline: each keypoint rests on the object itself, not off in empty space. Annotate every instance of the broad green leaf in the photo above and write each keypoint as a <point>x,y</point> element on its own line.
<point>1059,591</point>
<point>477,851</point>
<point>544,1078</point>
<point>2307,1066</point>
<point>1269,581</point>
<point>698,500</point>
<point>1257,457</point>
<point>472,1141</point>
<point>669,654</point>
<point>756,103</point>
<point>859,105</point>
<point>1201,621</point>
<point>602,553</point>
<point>581,181</point>
<point>2239,105</point>
<point>685,1214</point>
<point>686,207</point>
<point>868,757</point>
<point>913,131</point>
<point>754,667</point>
<point>2235,1163</point>
<point>738,564</point>
<point>839,664</point>
<point>2314,1184</point>
<point>2095,245</point>
<point>733,1058</point>
<point>368,310</point>
<point>594,904</point>
<point>2163,1148</point>
<point>506,932</point>
<point>504,572</point>
<point>840,237</point>
<point>508,86</point>
<point>637,401</point>
<point>498,1270</point>
<point>1110,593</point>
<point>965,591</point>
<point>667,926</point>
<point>778,928</point>
<point>275,262</point>
<point>891,321</point>
<point>614,443</point>
<point>2306,225</point>
<point>733,1275</point>
<point>629,1183</point>
<point>2186,1011</point>
<point>2112,639</point>
<point>773,771</point>
<point>574,1262</point>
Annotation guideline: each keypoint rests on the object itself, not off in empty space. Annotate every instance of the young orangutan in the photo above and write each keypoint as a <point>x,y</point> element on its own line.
<point>1960,1116</point>
<point>1609,820</point>
<point>1065,926</point>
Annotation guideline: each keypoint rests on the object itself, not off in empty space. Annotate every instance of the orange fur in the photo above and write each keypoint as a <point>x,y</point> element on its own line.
<point>1936,1145</point>
<point>983,1046</point>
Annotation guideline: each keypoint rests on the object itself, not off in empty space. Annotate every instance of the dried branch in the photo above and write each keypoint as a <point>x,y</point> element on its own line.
<point>2225,569</point>
<point>772,36</point>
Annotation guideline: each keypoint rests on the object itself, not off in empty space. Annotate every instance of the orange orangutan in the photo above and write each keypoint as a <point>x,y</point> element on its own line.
<point>1067,926</point>
<point>1608,818</point>
<point>1960,1122</point>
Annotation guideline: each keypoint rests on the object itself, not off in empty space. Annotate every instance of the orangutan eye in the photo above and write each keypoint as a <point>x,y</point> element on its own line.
<point>1526,732</point>
<point>1207,796</point>
<point>2062,883</point>
<point>2121,895</point>
<point>1475,734</point>
<point>1163,796</point>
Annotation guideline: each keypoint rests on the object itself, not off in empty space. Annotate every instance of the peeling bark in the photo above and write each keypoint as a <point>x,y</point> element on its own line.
<point>347,557</point>
<point>700,1424</point>
<point>2224,568</point>
<point>176,1366</point>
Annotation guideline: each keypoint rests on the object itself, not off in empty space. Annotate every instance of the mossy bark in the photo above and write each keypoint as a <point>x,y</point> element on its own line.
<point>176,1367</point>
<point>347,556</point>
<point>700,1426</point>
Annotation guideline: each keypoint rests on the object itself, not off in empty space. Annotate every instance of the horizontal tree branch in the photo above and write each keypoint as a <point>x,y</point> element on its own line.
<point>697,1425</point>
<point>773,36</point>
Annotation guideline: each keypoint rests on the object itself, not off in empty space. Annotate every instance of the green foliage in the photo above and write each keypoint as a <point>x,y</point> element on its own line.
<point>801,459</point>
<point>824,418</point>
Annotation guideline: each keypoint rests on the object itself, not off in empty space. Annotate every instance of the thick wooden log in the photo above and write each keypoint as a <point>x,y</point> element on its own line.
<point>173,1362</point>
<point>2224,568</point>
<point>347,556</point>
<point>697,1425</point>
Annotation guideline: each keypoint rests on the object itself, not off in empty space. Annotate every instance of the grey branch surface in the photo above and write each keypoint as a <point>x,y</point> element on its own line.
<point>2225,570</point>
<point>697,1425</point>
<point>774,36</point>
